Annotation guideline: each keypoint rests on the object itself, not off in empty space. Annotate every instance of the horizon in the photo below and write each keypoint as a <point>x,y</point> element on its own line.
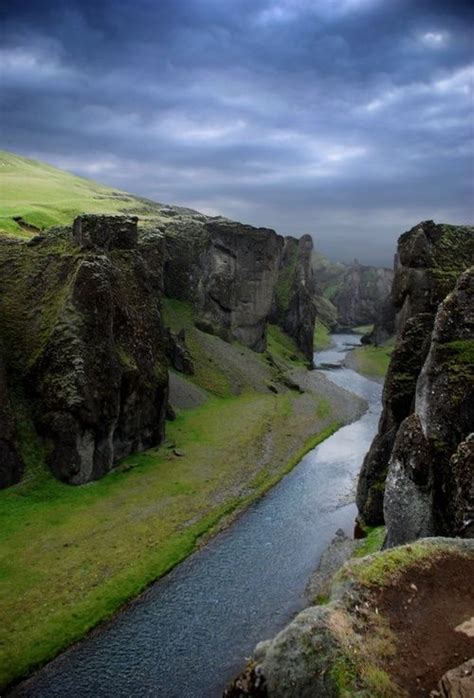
<point>274,113</point>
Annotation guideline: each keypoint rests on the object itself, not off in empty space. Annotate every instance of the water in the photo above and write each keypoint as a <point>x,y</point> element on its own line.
<point>188,635</point>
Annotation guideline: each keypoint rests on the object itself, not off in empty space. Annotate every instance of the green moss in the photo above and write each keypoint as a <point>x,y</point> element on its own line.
<point>343,675</point>
<point>458,354</point>
<point>390,564</point>
<point>373,541</point>
<point>177,314</point>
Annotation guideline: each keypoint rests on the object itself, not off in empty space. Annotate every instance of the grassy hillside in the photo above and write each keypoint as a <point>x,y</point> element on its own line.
<point>41,196</point>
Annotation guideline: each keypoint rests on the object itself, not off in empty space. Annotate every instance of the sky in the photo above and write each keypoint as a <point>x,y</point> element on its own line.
<point>351,120</point>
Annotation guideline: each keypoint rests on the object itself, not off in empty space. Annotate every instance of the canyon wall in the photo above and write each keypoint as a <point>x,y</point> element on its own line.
<point>350,295</point>
<point>239,278</point>
<point>81,324</point>
<point>430,260</point>
<point>294,307</point>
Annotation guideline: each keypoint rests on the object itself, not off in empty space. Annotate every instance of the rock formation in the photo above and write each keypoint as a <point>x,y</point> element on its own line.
<point>430,259</point>
<point>11,464</point>
<point>238,277</point>
<point>228,271</point>
<point>361,292</point>
<point>294,307</point>
<point>359,643</point>
<point>349,295</point>
<point>430,483</point>
<point>81,321</point>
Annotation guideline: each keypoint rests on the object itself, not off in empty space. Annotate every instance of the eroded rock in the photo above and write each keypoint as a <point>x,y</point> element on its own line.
<point>430,259</point>
<point>83,329</point>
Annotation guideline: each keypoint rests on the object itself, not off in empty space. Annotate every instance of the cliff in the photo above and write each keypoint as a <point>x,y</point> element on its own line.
<point>430,259</point>
<point>350,295</point>
<point>11,464</point>
<point>363,641</point>
<point>239,278</point>
<point>430,482</point>
<point>83,335</point>
<point>294,307</point>
<point>361,293</point>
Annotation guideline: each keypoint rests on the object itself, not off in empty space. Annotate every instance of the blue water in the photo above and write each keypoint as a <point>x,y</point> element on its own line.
<point>189,634</point>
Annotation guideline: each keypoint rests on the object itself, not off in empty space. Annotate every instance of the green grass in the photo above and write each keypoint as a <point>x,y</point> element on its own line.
<point>363,329</point>
<point>322,336</point>
<point>373,541</point>
<point>71,556</point>
<point>283,347</point>
<point>373,361</point>
<point>45,196</point>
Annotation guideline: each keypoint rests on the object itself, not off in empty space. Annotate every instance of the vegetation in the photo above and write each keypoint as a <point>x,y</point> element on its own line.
<point>373,361</point>
<point>37,196</point>
<point>373,541</point>
<point>97,545</point>
<point>322,336</point>
<point>363,329</point>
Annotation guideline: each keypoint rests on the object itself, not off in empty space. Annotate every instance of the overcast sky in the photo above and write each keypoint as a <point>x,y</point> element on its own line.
<point>348,119</point>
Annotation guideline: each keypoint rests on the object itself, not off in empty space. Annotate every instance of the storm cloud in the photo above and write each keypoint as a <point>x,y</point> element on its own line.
<point>348,119</point>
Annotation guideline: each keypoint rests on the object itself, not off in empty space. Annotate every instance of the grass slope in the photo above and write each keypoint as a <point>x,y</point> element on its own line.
<point>71,556</point>
<point>372,361</point>
<point>44,196</point>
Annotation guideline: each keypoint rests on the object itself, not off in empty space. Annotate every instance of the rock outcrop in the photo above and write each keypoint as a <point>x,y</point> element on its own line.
<point>361,292</point>
<point>430,259</point>
<point>430,483</point>
<point>81,320</point>
<point>359,643</point>
<point>294,307</point>
<point>229,272</point>
<point>350,295</point>
<point>11,464</point>
<point>239,277</point>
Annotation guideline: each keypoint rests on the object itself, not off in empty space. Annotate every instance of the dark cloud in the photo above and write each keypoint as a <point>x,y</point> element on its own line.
<point>349,119</point>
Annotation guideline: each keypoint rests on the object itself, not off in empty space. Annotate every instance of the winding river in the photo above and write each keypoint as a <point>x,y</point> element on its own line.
<point>188,635</point>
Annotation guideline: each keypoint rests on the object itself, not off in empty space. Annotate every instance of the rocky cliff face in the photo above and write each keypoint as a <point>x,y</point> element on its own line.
<point>11,464</point>
<point>430,259</point>
<point>81,321</point>
<point>238,277</point>
<point>294,307</point>
<point>430,482</point>
<point>362,291</point>
<point>351,295</point>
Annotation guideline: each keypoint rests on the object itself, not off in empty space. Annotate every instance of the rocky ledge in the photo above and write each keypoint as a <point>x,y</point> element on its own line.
<point>369,639</point>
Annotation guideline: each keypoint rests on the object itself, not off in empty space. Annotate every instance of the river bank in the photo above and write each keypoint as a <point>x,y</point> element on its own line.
<point>188,634</point>
<point>72,556</point>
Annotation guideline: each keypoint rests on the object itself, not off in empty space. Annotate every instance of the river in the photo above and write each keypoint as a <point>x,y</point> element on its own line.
<point>188,635</point>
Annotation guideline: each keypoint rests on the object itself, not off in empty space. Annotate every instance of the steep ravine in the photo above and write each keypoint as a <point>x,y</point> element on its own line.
<point>188,634</point>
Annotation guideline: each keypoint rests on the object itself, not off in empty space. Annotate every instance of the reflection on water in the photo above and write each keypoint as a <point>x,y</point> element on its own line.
<point>188,635</point>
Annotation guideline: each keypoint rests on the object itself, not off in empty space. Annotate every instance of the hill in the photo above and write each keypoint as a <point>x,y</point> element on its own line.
<point>36,195</point>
